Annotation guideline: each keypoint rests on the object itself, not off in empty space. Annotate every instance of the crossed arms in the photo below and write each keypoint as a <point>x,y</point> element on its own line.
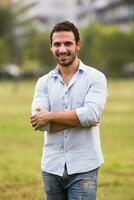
<point>57,120</point>
<point>86,116</point>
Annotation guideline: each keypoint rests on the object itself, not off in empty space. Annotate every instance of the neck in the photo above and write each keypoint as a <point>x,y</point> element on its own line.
<point>71,69</point>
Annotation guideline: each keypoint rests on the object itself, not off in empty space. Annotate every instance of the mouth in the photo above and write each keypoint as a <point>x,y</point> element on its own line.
<point>63,57</point>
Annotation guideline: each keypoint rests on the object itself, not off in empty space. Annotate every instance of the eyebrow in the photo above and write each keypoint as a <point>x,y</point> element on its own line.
<point>66,43</point>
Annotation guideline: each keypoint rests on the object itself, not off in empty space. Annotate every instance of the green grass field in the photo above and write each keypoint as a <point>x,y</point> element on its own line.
<point>20,146</point>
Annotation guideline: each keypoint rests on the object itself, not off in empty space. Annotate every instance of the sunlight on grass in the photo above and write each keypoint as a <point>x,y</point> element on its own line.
<point>20,146</point>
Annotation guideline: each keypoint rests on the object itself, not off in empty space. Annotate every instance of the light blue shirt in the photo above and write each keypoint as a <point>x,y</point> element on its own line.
<point>78,147</point>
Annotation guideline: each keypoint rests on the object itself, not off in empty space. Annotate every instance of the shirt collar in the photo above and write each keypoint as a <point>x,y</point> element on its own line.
<point>81,68</point>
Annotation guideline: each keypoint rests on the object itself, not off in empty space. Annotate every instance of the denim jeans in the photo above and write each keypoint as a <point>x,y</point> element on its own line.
<point>81,186</point>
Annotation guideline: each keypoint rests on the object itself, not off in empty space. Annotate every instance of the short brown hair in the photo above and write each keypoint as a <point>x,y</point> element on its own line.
<point>65,26</point>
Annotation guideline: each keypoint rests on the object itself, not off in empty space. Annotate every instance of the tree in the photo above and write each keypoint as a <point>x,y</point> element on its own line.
<point>16,28</point>
<point>5,20</point>
<point>108,48</point>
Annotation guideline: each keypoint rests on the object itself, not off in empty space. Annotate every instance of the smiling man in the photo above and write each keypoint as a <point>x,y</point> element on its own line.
<point>67,105</point>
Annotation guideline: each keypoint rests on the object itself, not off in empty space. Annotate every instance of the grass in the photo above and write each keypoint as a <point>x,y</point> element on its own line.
<point>20,146</point>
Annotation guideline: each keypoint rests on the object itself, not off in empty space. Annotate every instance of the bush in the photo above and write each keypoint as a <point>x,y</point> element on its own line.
<point>107,48</point>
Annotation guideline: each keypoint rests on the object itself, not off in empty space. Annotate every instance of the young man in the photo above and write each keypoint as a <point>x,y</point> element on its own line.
<point>67,104</point>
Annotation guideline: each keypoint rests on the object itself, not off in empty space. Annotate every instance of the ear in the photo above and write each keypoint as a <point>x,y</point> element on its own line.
<point>78,45</point>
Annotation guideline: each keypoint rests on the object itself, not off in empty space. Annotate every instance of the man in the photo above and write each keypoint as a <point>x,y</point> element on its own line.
<point>67,104</point>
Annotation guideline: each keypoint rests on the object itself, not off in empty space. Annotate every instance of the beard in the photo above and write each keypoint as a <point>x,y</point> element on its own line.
<point>65,59</point>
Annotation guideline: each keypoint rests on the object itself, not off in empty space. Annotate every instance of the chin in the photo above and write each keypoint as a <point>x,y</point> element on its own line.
<point>65,63</point>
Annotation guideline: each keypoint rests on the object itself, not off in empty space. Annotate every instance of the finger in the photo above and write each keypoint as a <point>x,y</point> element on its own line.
<point>34,124</point>
<point>36,127</point>
<point>34,121</point>
<point>33,116</point>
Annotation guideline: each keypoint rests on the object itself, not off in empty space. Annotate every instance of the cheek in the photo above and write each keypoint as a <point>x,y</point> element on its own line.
<point>55,53</point>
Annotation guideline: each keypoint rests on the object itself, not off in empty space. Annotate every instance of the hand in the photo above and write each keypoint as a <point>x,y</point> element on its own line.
<point>40,119</point>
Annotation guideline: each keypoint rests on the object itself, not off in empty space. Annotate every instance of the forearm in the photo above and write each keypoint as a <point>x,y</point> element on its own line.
<point>55,127</point>
<point>66,118</point>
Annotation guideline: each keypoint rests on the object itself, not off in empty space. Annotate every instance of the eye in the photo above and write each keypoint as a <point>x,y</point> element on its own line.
<point>68,43</point>
<point>56,44</point>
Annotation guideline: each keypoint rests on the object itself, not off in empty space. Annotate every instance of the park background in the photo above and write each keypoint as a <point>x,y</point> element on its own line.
<point>24,57</point>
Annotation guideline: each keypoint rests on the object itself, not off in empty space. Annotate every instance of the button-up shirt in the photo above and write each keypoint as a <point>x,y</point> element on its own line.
<point>78,147</point>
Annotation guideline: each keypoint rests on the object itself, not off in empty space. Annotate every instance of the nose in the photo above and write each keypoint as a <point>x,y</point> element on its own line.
<point>62,49</point>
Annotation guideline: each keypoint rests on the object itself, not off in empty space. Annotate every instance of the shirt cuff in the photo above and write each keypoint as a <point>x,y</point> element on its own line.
<point>85,116</point>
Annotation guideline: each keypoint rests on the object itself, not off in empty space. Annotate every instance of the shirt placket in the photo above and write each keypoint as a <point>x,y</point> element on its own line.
<point>66,106</point>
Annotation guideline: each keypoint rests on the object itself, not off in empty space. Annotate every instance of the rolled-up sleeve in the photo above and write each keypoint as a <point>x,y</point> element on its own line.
<point>40,98</point>
<point>94,102</point>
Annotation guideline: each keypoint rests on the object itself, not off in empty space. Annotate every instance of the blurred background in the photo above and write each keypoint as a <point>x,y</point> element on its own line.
<point>106,26</point>
<point>107,35</point>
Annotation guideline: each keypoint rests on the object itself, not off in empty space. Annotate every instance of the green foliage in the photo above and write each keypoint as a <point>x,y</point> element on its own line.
<point>108,48</point>
<point>20,146</point>
<point>43,51</point>
<point>105,47</point>
<point>5,30</point>
<point>15,28</point>
<point>5,56</point>
<point>39,51</point>
<point>5,20</point>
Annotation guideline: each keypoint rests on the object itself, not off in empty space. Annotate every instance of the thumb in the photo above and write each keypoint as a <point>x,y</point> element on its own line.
<point>38,109</point>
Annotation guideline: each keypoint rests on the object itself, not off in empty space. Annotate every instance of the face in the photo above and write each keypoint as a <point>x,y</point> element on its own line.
<point>64,48</point>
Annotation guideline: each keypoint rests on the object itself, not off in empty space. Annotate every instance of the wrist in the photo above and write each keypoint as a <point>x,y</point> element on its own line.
<point>51,116</point>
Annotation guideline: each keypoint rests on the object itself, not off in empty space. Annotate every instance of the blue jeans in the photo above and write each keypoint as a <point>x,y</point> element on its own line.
<point>81,186</point>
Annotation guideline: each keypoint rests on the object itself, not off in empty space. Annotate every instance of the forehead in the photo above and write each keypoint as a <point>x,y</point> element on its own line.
<point>63,36</point>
